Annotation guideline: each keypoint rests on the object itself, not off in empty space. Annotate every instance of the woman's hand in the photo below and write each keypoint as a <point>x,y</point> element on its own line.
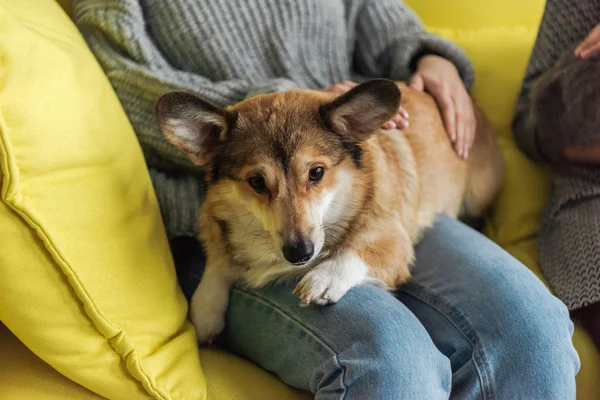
<point>590,45</point>
<point>440,78</point>
<point>400,121</point>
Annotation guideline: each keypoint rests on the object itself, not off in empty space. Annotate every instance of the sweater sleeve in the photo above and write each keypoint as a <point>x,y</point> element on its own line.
<point>117,34</point>
<point>391,39</point>
<point>541,61</point>
<point>561,28</point>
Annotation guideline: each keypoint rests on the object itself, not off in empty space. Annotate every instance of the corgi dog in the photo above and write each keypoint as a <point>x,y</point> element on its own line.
<point>306,184</point>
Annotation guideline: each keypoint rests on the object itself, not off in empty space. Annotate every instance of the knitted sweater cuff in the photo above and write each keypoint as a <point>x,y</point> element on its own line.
<point>432,45</point>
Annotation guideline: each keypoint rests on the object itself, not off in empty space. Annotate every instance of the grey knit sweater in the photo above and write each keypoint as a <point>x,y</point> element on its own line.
<point>558,108</point>
<point>227,50</point>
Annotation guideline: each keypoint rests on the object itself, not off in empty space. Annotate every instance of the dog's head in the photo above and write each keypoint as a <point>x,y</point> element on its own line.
<point>291,158</point>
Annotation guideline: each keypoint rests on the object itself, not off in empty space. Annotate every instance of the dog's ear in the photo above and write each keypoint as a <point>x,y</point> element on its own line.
<point>362,110</point>
<point>193,125</point>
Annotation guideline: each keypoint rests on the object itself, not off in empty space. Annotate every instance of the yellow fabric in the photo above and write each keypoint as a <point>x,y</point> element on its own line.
<point>23,376</point>
<point>498,36</point>
<point>231,378</point>
<point>86,278</point>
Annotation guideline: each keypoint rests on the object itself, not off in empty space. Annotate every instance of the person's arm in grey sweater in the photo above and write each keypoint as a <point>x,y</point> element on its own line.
<point>116,32</point>
<point>391,39</point>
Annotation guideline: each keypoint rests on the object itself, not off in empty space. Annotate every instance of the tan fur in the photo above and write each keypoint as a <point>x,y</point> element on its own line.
<point>418,177</point>
<point>410,177</point>
<point>371,215</point>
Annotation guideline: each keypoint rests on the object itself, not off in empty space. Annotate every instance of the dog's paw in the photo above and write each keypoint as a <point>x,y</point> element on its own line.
<point>322,286</point>
<point>208,322</point>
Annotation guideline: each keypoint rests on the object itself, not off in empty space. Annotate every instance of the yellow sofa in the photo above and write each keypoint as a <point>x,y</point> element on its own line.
<point>497,35</point>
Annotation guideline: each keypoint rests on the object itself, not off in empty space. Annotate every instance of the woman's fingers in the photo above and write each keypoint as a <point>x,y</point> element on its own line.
<point>341,88</point>
<point>403,112</point>
<point>589,45</point>
<point>461,129</point>
<point>471,128</point>
<point>442,95</point>
<point>466,124</point>
<point>416,82</point>
<point>348,85</point>
<point>591,50</point>
<point>400,121</point>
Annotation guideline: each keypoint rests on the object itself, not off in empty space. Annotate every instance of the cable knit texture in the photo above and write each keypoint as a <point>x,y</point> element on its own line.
<point>227,50</point>
<point>559,106</point>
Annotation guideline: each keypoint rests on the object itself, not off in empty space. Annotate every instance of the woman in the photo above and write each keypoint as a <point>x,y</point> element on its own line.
<point>473,323</point>
<point>558,122</point>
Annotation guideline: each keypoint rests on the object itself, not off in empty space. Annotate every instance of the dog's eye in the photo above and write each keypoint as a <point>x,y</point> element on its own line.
<point>316,174</point>
<point>258,183</point>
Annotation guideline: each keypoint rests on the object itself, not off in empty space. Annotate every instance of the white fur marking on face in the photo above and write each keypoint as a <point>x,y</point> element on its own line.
<point>329,281</point>
<point>336,201</point>
<point>209,304</point>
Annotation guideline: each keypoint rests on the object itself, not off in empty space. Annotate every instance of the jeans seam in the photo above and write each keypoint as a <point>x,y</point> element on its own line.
<point>450,313</point>
<point>313,334</point>
<point>480,363</point>
<point>337,360</point>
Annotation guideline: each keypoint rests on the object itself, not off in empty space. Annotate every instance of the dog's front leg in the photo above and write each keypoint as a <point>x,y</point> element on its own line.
<point>209,303</point>
<point>329,281</point>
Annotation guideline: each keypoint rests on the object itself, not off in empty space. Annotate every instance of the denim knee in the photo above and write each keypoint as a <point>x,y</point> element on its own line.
<point>366,346</point>
<point>389,356</point>
<point>381,368</point>
<point>530,340</point>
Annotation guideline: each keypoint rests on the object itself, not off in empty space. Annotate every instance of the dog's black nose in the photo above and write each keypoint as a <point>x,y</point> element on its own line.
<point>298,252</point>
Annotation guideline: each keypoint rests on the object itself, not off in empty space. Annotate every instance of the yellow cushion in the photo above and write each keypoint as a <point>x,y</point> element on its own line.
<point>86,277</point>
<point>24,376</point>
<point>498,39</point>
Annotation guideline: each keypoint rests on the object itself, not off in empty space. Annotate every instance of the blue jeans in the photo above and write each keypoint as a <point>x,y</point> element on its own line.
<point>473,323</point>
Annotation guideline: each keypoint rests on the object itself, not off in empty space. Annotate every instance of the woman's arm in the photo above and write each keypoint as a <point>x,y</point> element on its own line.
<point>116,32</point>
<point>392,43</point>
<point>391,40</point>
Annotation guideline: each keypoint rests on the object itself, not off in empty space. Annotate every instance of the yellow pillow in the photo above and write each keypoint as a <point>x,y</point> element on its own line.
<point>86,276</point>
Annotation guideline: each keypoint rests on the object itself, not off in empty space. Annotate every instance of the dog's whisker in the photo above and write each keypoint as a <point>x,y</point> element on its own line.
<point>248,227</point>
<point>256,237</point>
